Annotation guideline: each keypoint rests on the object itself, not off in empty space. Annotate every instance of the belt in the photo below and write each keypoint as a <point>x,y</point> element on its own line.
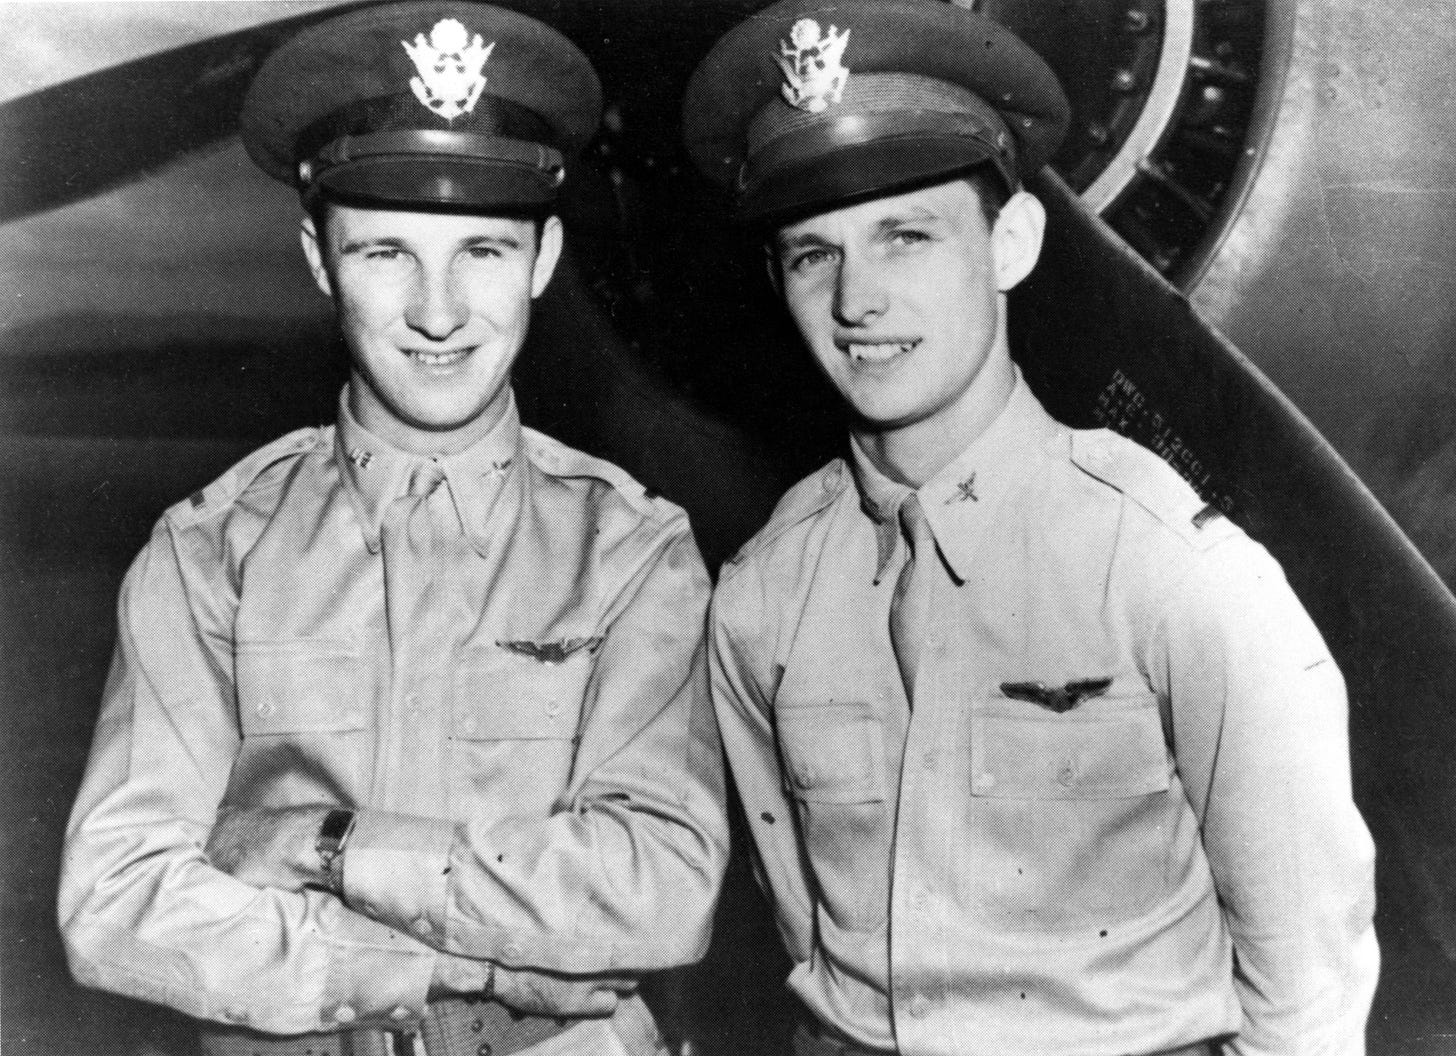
<point>813,1039</point>
<point>451,1027</point>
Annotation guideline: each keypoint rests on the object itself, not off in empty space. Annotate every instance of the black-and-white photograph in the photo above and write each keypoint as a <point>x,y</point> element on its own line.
<point>728,528</point>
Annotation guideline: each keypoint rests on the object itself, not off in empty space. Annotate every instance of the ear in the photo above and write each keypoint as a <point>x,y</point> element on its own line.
<point>547,254</point>
<point>308,236</point>
<point>1016,239</point>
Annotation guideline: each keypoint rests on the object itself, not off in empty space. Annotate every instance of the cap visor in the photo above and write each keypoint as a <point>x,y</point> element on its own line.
<point>862,171</point>
<point>434,181</point>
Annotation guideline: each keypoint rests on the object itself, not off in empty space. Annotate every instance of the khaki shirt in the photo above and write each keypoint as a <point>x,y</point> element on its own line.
<point>517,706</point>
<point>1174,858</point>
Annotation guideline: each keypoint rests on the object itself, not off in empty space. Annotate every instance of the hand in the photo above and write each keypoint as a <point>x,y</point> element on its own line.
<point>268,847</point>
<point>536,993</point>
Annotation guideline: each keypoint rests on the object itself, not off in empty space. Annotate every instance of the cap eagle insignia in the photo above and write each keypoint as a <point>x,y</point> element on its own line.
<point>814,75</point>
<point>449,63</point>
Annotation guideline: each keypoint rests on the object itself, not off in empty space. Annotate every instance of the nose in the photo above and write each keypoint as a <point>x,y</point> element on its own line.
<point>859,296</point>
<point>436,310</point>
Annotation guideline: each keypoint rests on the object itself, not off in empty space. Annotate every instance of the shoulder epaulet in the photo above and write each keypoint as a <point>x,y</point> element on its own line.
<point>220,494</point>
<point>1149,481</point>
<point>556,459</point>
<point>799,503</point>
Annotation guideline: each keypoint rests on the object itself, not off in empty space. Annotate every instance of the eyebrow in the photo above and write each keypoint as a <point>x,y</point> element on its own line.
<point>917,215</point>
<point>359,244</point>
<point>508,241</point>
<point>799,241</point>
<point>389,242</point>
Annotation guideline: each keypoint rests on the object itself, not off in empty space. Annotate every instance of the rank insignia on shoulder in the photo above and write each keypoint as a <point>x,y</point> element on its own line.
<point>1057,698</point>
<point>814,76</point>
<point>1203,516</point>
<point>552,652</point>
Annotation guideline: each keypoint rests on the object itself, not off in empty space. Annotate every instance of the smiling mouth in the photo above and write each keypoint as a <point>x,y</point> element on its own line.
<point>877,351</point>
<point>438,359</point>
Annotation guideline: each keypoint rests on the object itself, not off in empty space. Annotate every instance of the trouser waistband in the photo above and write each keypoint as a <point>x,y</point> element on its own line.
<point>451,1027</point>
<point>811,1039</point>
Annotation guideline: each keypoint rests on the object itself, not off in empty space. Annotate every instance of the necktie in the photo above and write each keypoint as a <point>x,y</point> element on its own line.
<point>414,527</point>
<point>910,604</point>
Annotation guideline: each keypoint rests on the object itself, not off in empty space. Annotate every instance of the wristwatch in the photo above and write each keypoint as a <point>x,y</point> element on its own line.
<point>332,835</point>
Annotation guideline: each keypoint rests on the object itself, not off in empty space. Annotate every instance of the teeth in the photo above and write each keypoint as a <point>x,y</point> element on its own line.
<point>879,352</point>
<point>440,359</point>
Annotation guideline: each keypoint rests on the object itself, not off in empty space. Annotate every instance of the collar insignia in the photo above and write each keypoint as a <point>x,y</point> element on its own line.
<point>1057,698</point>
<point>814,76</point>
<point>449,64</point>
<point>966,489</point>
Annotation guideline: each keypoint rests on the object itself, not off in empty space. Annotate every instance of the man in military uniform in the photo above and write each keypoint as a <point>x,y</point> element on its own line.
<point>1039,755</point>
<point>407,744</point>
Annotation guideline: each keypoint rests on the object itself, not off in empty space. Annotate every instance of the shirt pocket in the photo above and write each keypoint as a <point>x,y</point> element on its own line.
<point>834,770</point>
<point>514,728</point>
<point>303,710</point>
<point>1076,811</point>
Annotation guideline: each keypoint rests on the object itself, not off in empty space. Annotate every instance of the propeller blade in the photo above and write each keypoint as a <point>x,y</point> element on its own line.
<point>1106,341</point>
<point>88,135</point>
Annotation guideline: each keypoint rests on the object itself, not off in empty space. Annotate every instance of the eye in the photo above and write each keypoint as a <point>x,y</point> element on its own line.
<point>908,236</point>
<point>483,252</point>
<point>809,259</point>
<point>384,253</point>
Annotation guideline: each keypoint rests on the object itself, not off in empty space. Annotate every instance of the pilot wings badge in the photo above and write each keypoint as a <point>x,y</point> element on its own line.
<point>552,652</point>
<point>449,64</point>
<point>814,76</point>
<point>1056,698</point>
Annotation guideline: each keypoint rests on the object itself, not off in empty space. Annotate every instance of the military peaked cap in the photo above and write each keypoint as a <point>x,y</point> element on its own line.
<point>424,104</point>
<point>811,103</point>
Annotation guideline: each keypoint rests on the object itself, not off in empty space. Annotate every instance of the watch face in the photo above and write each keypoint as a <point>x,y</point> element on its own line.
<point>334,830</point>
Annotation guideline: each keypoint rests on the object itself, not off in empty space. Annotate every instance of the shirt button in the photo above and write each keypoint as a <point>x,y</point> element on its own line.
<point>400,1014</point>
<point>469,725</point>
<point>511,950</point>
<point>1066,774</point>
<point>930,760</point>
<point>483,1049</point>
<point>920,901</point>
<point>553,708</point>
<point>266,708</point>
<point>919,1006</point>
<point>412,702</point>
<point>422,926</point>
<point>345,1014</point>
<point>985,781</point>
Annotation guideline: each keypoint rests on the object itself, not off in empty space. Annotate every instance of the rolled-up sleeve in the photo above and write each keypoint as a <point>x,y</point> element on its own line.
<point>624,873</point>
<point>142,911</point>
<point>1260,730</point>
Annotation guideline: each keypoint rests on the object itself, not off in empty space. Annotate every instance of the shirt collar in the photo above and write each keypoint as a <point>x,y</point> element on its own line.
<point>376,473</point>
<point>960,500</point>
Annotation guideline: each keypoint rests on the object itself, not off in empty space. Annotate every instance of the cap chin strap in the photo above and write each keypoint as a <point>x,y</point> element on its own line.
<point>465,147</point>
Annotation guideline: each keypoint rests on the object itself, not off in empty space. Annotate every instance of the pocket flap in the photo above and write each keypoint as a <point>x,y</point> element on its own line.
<point>833,753</point>
<point>299,686</point>
<point>500,695</point>
<point>1021,752</point>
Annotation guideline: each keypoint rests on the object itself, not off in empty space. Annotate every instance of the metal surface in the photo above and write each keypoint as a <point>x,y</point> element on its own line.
<point>1335,276</point>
